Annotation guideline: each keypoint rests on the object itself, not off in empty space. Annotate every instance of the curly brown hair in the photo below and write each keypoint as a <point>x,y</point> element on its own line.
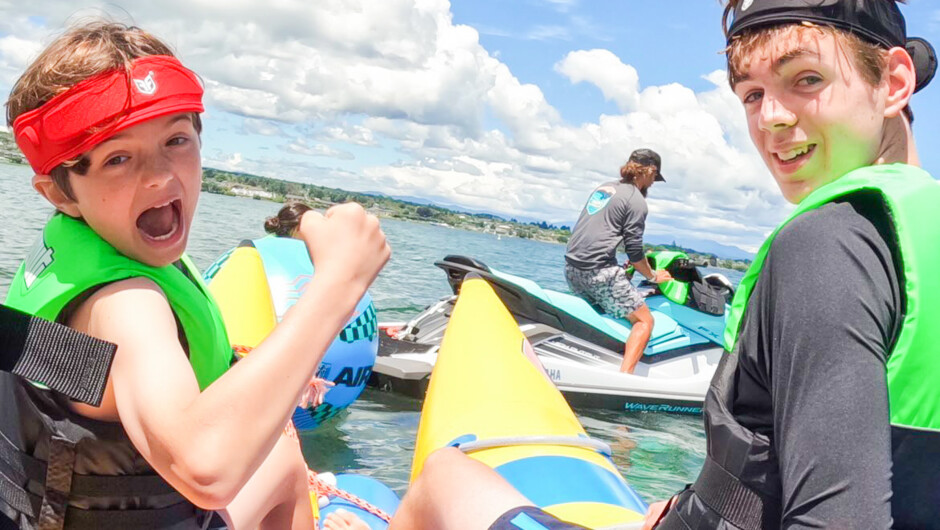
<point>630,171</point>
<point>83,51</point>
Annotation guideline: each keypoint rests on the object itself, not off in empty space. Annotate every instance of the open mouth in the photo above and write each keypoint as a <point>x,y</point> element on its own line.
<point>795,156</point>
<point>162,222</point>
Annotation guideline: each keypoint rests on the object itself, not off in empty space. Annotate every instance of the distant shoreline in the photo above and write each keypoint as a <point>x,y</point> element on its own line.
<point>276,190</point>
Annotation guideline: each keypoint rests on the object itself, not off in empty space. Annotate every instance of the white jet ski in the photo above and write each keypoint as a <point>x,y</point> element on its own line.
<point>580,348</point>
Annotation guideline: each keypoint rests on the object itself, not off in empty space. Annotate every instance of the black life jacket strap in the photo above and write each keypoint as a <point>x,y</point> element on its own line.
<point>71,363</point>
<point>179,515</point>
<point>59,469</point>
<point>16,496</point>
<point>15,471</point>
<point>60,482</point>
<point>19,466</point>
<point>726,495</point>
<point>24,467</point>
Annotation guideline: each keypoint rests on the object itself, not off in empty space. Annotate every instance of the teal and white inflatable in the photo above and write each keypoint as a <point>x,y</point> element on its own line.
<point>256,283</point>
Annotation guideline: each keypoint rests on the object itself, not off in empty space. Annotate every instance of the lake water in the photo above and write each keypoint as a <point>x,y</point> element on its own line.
<point>657,453</point>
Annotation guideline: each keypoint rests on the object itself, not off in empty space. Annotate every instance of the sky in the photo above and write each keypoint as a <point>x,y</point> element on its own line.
<point>515,107</point>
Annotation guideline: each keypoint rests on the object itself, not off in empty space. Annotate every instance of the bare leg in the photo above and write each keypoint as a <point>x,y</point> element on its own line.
<point>642,321</point>
<point>343,520</point>
<point>276,495</point>
<point>455,492</point>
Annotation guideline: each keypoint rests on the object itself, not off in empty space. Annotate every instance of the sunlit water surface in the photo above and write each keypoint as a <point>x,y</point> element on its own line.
<point>658,453</point>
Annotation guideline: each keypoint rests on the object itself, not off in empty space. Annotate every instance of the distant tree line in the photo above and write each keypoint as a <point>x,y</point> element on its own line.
<point>218,181</point>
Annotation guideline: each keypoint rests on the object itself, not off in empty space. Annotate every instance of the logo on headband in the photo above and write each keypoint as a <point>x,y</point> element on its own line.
<point>747,5</point>
<point>146,85</point>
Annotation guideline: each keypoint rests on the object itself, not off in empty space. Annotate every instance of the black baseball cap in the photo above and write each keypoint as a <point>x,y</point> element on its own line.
<point>877,21</point>
<point>648,157</point>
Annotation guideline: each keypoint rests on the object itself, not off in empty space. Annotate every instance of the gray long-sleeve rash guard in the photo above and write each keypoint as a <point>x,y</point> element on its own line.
<point>615,212</point>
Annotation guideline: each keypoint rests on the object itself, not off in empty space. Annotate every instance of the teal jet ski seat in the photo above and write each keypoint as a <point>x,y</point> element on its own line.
<point>677,328</point>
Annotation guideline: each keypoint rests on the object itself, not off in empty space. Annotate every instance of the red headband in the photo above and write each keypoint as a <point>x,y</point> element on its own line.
<point>95,109</point>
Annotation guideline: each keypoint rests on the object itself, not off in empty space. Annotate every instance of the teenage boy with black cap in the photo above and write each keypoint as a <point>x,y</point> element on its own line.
<point>615,212</point>
<point>826,410</point>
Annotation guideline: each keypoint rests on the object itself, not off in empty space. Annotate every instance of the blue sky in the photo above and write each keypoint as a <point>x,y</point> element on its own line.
<point>514,107</point>
<point>666,41</point>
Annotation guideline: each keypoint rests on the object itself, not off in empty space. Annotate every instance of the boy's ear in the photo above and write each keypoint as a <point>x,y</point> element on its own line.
<point>51,191</point>
<point>901,78</point>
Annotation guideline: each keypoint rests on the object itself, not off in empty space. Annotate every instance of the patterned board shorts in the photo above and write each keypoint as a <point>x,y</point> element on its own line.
<point>608,288</point>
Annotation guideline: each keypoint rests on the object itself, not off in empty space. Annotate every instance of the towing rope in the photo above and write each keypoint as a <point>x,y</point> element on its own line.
<point>317,486</point>
<point>324,489</point>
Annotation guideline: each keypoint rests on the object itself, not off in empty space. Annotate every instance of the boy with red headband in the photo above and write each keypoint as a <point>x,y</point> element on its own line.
<point>826,410</point>
<point>109,121</point>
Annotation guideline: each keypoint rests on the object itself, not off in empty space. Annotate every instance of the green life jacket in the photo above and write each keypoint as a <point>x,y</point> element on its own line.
<point>58,468</point>
<point>740,485</point>
<point>912,197</point>
<point>674,290</point>
<point>70,259</point>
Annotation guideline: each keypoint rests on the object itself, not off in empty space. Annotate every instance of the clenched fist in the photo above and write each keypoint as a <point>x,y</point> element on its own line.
<point>346,244</point>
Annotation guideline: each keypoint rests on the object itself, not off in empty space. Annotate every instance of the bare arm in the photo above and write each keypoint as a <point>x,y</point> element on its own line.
<point>655,276</point>
<point>643,266</point>
<point>209,444</point>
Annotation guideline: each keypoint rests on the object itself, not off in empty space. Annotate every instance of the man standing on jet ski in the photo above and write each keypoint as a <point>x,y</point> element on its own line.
<point>615,212</point>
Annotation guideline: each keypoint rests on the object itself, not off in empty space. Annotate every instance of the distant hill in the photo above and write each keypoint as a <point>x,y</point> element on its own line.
<point>705,246</point>
<point>8,149</point>
<point>403,198</point>
<point>480,212</point>
<point>411,208</point>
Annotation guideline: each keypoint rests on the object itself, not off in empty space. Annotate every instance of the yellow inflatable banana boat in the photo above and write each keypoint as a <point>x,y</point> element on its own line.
<point>488,399</point>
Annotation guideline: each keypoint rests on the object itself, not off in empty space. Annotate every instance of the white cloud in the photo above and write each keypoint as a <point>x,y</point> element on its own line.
<point>303,147</point>
<point>399,74</point>
<point>16,51</point>
<point>353,134</point>
<point>618,82</point>
<point>262,127</point>
<point>226,161</point>
<point>548,33</point>
<point>562,6</point>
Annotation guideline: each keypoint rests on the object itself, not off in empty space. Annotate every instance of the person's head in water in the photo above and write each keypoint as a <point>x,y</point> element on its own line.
<point>824,84</point>
<point>109,121</point>
<point>287,219</point>
<point>642,169</point>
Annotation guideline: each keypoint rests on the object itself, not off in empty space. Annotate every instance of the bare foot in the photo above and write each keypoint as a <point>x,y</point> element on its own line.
<point>343,520</point>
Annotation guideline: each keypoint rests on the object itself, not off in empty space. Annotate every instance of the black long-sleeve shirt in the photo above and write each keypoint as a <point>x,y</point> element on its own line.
<point>811,372</point>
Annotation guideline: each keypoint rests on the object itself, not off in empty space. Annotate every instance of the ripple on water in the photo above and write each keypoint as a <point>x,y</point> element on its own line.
<point>375,437</point>
<point>658,453</point>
